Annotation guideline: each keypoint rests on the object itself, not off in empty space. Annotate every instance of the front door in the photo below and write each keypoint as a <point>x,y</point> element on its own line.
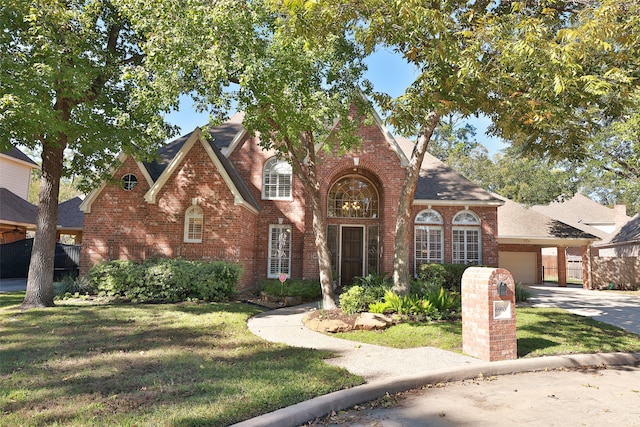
<point>352,254</point>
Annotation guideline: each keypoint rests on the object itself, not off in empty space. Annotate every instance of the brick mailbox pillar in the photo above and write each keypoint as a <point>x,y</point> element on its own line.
<point>489,314</point>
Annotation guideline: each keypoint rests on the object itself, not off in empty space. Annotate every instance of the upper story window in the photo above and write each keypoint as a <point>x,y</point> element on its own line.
<point>129,181</point>
<point>193,224</point>
<point>353,197</point>
<point>276,180</point>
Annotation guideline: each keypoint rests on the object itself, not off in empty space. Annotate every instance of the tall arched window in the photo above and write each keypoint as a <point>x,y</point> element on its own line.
<point>193,224</point>
<point>353,197</point>
<point>276,180</point>
<point>428,238</point>
<point>466,238</point>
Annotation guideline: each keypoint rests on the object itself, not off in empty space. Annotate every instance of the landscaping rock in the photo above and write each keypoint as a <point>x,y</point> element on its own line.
<point>372,321</point>
<point>328,325</point>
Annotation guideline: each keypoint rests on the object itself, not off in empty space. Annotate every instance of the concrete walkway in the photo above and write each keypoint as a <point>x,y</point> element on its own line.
<point>391,371</point>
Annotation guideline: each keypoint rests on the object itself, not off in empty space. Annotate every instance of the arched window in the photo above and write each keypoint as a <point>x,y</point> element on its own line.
<point>353,197</point>
<point>428,239</point>
<point>276,180</point>
<point>129,181</point>
<point>466,238</point>
<point>193,224</point>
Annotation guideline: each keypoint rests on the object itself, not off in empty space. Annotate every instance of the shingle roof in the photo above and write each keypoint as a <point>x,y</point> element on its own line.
<point>438,182</point>
<point>18,155</point>
<point>15,209</point>
<point>220,137</point>
<point>516,221</point>
<point>629,232</point>
<point>580,212</point>
<point>70,215</point>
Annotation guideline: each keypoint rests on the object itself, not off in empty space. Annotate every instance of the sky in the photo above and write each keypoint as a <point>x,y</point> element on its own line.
<point>387,71</point>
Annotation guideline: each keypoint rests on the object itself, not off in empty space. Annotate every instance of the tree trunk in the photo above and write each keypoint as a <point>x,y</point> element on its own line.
<point>322,250</point>
<point>40,278</point>
<point>402,254</point>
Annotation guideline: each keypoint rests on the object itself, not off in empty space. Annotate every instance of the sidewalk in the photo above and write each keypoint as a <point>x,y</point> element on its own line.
<point>391,371</point>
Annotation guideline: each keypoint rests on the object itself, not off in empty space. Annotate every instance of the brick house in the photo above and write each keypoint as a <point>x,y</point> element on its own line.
<point>228,199</point>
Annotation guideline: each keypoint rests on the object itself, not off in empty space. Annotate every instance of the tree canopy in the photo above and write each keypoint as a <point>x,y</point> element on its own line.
<point>73,84</point>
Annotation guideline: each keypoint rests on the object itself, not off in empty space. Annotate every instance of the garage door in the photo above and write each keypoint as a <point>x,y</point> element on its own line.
<point>521,265</point>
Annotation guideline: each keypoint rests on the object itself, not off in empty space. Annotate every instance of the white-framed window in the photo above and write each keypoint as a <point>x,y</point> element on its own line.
<point>428,239</point>
<point>279,250</point>
<point>466,239</point>
<point>276,180</point>
<point>353,197</point>
<point>193,224</point>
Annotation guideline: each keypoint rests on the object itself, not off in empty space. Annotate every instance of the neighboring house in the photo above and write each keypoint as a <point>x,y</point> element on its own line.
<point>70,220</point>
<point>15,172</point>
<point>523,235</point>
<point>228,199</point>
<point>16,213</point>
<point>616,260</point>
<point>583,213</point>
<point>17,216</point>
<point>591,217</point>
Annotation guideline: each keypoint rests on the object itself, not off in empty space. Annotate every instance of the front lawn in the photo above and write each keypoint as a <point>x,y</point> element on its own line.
<point>148,365</point>
<point>540,332</point>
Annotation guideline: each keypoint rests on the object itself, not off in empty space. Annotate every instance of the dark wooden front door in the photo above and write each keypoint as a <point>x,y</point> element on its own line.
<point>351,260</point>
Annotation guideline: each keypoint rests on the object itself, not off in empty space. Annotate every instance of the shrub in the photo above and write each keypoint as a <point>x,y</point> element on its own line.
<point>446,275</point>
<point>352,301</point>
<point>71,286</point>
<point>522,293</point>
<point>308,290</point>
<point>444,300</point>
<point>165,280</point>
<point>366,290</point>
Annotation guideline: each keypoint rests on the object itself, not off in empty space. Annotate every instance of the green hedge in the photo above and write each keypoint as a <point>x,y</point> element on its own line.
<point>448,276</point>
<point>165,280</point>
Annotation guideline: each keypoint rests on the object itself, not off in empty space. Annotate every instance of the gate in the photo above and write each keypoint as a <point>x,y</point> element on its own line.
<point>15,257</point>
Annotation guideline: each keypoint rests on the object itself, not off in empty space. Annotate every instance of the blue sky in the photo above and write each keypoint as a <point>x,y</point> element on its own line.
<point>386,70</point>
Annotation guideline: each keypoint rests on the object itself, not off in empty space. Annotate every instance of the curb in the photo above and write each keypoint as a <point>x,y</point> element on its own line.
<point>302,412</point>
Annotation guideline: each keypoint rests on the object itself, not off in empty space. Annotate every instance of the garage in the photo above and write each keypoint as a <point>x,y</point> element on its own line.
<point>521,265</point>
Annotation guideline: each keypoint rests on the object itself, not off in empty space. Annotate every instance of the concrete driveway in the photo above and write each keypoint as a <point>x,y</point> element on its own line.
<point>13,285</point>
<point>605,306</point>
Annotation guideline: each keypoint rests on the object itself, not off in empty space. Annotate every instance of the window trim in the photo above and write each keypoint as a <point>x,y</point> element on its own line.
<point>336,212</point>
<point>270,256</point>
<point>193,212</point>
<point>465,244</point>
<point>433,222</point>
<point>129,181</point>
<point>269,166</point>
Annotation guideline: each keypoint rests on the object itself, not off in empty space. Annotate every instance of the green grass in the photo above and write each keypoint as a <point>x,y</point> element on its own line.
<point>539,332</point>
<point>148,365</point>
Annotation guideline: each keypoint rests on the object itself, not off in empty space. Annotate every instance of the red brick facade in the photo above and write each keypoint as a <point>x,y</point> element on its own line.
<point>122,224</point>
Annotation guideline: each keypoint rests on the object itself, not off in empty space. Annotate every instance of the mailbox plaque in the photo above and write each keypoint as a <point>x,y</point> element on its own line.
<point>502,310</point>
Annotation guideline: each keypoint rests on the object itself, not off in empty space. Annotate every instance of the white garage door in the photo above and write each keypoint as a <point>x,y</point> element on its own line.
<point>521,265</point>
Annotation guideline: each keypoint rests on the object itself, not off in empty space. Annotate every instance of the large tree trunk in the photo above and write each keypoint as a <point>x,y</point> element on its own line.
<point>322,249</point>
<point>40,279</point>
<point>402,254</point>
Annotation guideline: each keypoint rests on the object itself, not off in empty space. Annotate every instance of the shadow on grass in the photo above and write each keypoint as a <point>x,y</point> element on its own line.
<point>545,331</point>
<point>174,364</point>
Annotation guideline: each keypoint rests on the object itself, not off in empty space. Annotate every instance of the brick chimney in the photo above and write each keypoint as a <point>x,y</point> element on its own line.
<point>620,215</point>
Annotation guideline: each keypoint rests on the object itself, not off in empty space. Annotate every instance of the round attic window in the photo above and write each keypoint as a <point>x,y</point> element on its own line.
<point>129,181</point>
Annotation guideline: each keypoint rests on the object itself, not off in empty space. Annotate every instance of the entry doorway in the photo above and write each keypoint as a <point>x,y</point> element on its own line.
<point>352,254</point>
